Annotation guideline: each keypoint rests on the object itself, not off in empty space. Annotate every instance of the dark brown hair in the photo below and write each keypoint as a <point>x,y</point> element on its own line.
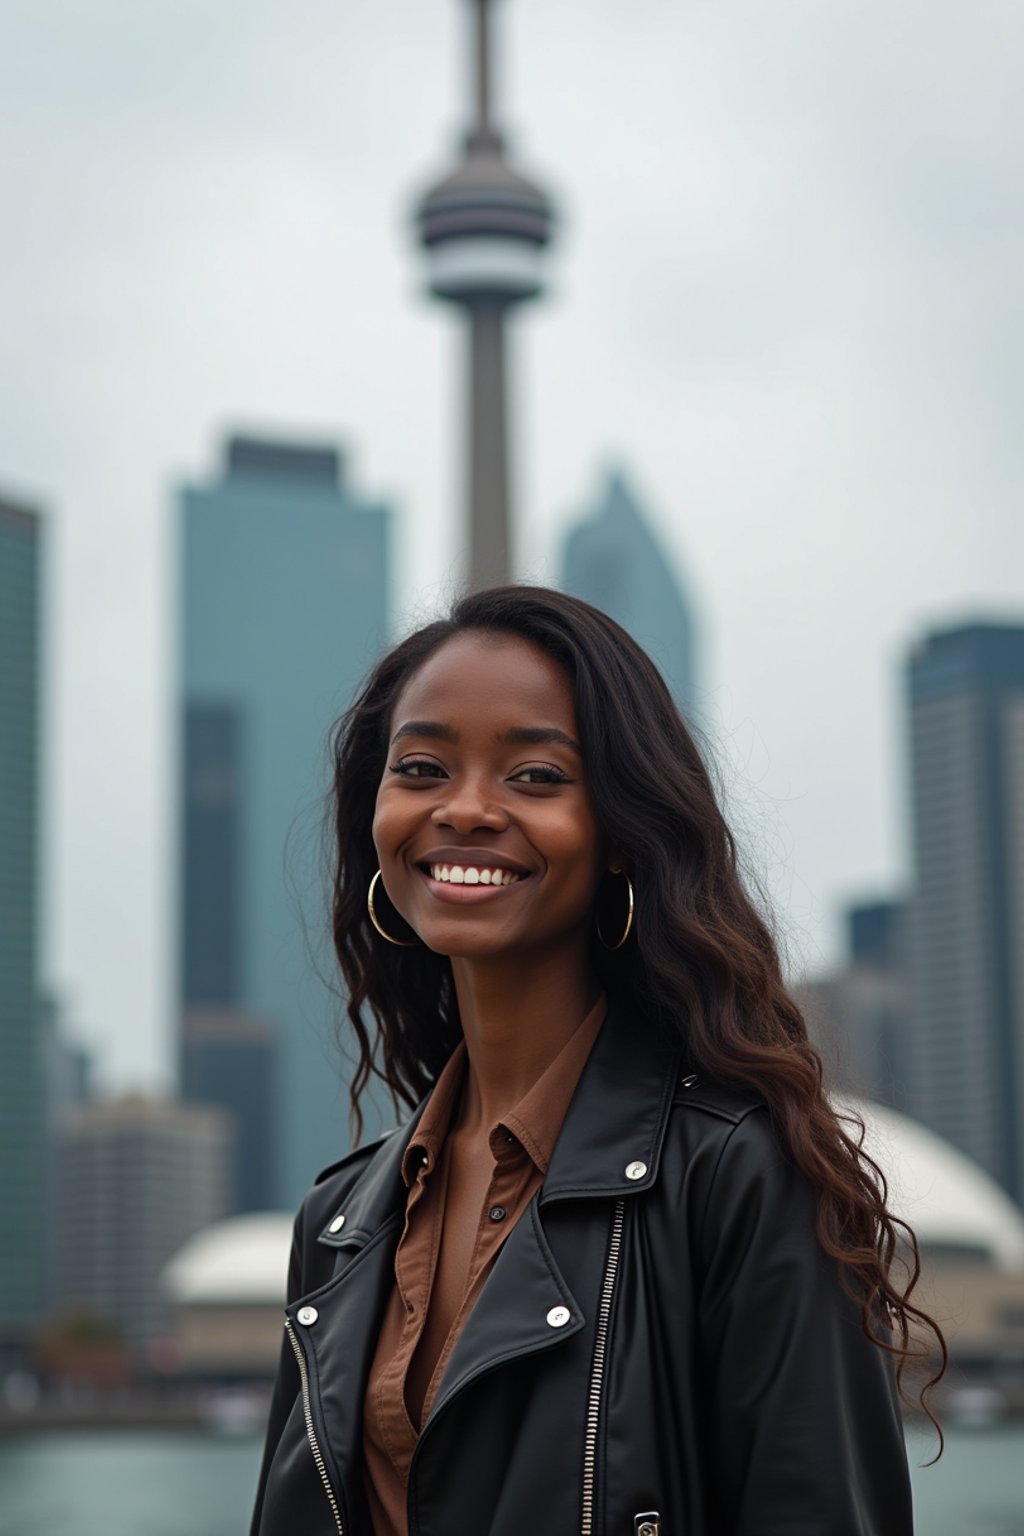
<point>701,964</point>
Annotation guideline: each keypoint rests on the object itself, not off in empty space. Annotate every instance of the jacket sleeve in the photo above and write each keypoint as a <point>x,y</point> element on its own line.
<point>287,1386</point>
<point>805,1428</point>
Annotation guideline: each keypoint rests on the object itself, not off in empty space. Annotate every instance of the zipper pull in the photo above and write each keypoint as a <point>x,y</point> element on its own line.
<point>648,1524</point>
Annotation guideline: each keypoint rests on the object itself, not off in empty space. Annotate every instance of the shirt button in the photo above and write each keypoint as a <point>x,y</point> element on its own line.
<point>497,1213</point>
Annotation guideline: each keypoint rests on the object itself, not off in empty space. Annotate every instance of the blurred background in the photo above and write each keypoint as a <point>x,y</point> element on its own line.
<point>707,313</point>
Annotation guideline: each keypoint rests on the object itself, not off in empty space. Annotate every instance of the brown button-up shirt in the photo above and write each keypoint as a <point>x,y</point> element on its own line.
<point>445,1255</point>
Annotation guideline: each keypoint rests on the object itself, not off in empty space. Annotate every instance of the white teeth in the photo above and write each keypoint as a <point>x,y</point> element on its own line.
<point>457,874</point>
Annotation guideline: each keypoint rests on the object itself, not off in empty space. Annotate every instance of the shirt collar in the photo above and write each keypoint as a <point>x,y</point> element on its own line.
<point>534,1123</point>
<point>537,1119</point>
<point>429,1136</point>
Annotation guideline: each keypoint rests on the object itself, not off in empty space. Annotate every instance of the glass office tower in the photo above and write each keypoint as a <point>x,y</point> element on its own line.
<point>284,607</point>
<point>965,695</point>
<point>613,560</point>
<point>22,1106</point>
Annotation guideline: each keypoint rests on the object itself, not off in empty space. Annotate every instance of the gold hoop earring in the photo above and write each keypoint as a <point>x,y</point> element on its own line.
<point>629,914</point>
<point>403,943</point>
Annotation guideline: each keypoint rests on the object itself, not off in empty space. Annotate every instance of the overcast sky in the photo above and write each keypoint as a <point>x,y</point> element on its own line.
<point>786,296</point>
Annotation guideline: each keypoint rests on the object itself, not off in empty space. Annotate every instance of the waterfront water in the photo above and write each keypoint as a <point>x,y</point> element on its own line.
<point>180,1484</point>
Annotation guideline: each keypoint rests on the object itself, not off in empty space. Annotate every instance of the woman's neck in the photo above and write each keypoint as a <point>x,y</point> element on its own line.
<point>515,1019</point>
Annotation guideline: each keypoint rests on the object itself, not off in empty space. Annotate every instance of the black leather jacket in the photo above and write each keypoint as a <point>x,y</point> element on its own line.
<point>661,1341</point>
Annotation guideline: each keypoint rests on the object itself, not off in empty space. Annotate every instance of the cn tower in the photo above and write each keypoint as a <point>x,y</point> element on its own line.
<point>485,228</point>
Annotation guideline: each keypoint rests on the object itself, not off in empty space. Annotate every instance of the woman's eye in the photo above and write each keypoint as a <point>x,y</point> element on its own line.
<point>540,773</point>
<point>417,768</point>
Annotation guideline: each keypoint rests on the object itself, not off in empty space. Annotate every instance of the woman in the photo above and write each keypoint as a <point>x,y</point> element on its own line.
<point>623,1271</point>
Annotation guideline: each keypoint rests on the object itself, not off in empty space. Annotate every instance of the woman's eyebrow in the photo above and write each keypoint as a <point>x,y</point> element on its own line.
<point>429,728</point>
<point>537,736</point>
<point>517,735</point>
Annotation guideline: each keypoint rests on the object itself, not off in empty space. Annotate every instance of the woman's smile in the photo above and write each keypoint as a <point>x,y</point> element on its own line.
<point>467,875</point>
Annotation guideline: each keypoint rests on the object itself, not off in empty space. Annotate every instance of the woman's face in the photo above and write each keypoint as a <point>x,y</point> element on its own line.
<point>486,836</point>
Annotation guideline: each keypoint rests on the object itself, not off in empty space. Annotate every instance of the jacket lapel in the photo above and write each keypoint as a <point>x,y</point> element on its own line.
<point>336,1326</point>
<point>525,1305</point>
<point>616,1121</point>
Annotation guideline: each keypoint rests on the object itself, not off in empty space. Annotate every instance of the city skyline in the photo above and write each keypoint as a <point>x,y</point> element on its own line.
<point>786,304</point>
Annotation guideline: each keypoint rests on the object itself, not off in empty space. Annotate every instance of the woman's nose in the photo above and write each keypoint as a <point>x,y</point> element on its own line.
<point>469,803</point>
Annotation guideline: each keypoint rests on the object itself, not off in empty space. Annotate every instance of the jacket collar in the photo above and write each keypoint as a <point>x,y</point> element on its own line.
<point>609,1145</point>
<point>611,1138</point>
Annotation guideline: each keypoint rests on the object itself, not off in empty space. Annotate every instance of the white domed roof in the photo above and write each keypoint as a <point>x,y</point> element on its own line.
<point>242,1260</point>
<point>948,1200</point>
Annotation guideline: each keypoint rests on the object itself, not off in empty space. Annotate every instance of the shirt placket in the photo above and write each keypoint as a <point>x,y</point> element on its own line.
<point>426,1202</point>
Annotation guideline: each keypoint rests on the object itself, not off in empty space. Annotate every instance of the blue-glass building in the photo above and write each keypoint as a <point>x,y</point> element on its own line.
<point>284,576</point>
<point>22,1098</point>
<point>965,700</point>
<point>612,559</point>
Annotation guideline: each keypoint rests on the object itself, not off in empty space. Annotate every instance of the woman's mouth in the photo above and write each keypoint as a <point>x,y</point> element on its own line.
<point>471,874</point>
<point>469,882</point>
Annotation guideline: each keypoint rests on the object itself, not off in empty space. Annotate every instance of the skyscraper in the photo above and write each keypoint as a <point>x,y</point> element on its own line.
<point>22,1107</point>
<point>284,601</point>
<point>136,1179</point>
<point>858,1015</point>
<point>965,693</point>
<point>233,1060</point>
<point>612,559</point>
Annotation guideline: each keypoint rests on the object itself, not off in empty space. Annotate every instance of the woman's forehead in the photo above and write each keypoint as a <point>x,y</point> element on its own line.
<point>496,675</point>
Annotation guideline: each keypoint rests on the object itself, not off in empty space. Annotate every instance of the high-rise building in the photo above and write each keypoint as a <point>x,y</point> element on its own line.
<point>858,1016</point>
<point>67,1077</point>
<point>284,607</point>
<point>965,694</point>
<point>231,1059</point>
<point>22,1104</point>
<point>136,1180</point>
<point>612,559</point>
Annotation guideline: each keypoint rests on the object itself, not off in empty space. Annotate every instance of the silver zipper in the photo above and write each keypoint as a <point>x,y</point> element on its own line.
<point>314,1445</point>
<point>604,1313</point>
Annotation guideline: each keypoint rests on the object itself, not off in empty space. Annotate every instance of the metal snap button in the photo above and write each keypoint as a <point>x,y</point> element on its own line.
<point>559,1316</point>
<point>307,1316</point>
<point>635,1170</point>
<point>689,1082</point>
<point>337,1224</point>
<point>497,1213</point>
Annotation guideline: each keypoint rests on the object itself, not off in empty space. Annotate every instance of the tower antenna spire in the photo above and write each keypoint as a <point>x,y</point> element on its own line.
<point>483,65</point>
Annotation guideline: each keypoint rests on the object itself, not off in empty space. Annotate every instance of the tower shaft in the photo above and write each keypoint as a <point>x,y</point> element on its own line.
<point>488,482</point>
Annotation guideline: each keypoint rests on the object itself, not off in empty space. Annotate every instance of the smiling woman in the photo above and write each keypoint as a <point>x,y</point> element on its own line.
<point>623,1269</point>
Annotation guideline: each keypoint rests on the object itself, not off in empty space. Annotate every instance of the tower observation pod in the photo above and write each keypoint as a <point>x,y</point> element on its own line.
<point>485,228</point>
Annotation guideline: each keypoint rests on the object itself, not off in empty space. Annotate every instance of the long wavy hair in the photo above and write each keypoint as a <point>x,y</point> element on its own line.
<point>701,963</point>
